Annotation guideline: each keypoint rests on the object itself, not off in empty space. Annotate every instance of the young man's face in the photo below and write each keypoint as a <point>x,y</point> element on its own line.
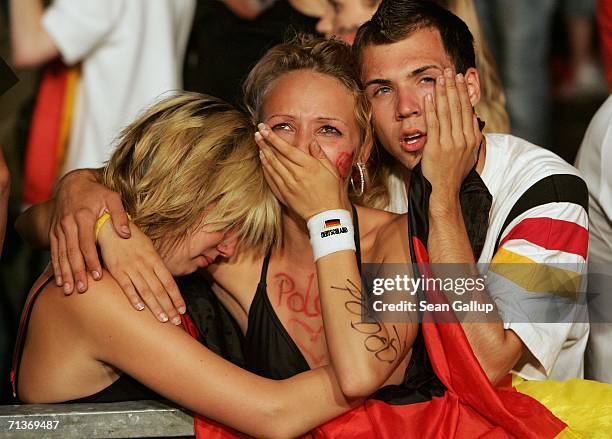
<point>397,78</point>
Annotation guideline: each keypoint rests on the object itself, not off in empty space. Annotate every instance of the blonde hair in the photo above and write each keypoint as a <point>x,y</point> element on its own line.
<point>492,105</point>
<point>306,52</point>
<point>191,156</point>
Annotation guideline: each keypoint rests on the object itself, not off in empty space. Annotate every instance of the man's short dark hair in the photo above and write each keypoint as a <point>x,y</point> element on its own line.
<point>396,20</point>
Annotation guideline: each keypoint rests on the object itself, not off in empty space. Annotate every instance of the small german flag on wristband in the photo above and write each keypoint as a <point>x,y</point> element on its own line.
<point>332,223</point>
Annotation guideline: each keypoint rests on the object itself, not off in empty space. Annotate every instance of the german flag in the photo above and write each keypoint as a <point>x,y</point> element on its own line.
<point>49,131</point>
<point>332,223</point>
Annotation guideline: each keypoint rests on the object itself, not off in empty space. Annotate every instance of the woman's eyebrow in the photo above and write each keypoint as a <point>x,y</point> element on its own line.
<point>332,119</point>
<point>280,115</point>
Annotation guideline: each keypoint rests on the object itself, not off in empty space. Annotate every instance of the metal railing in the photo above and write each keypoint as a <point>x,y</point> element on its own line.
<point>116,420</point>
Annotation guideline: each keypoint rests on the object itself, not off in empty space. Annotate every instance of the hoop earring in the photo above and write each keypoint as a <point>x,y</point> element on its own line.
<point>361,167</point>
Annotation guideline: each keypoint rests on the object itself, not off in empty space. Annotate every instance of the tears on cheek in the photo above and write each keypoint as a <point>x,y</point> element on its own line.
<point>343,163</point>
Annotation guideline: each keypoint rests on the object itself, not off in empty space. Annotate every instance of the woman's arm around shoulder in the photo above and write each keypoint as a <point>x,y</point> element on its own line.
<point>169,361</point>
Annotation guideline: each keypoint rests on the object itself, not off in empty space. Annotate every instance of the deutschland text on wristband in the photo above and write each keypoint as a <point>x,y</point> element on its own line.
<point>331,231</point>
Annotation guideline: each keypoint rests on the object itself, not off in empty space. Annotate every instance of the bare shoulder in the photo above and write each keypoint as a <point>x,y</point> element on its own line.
<point>384,235</point>
<point>99,304</point>
<point>373,219</point>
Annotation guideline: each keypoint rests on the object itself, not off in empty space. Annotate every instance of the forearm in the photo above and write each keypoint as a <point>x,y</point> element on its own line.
<point>320,396</point>
<point>497,349</point>
<point>364,355</point>
<point>191,375</point>
<point>33,225</point>
<point>31,44</point>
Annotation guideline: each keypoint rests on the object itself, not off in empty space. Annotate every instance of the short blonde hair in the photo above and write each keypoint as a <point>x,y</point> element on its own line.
<point>187,155</point>
<point>306,52</point>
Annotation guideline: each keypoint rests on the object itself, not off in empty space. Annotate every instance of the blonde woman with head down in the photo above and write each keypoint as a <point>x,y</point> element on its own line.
<point>190,178</point>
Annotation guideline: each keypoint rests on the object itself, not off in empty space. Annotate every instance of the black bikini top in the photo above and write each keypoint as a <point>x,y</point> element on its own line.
<point>124,388</point>
<point>269,349</point>
<point>271,352</point>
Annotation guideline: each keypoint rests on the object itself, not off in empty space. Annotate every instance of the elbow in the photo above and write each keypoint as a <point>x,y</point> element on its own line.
<point>279,423</point>
<point>33,51</point>
<point>497,369</point>
<point>23,58</point>
<point>356,383</point>
<point>495,374</point>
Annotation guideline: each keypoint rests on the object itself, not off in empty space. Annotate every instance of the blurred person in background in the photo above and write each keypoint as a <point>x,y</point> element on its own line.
<point>603,15</point>
<point>594,158</point>
<point>585,76</point>
<point>129,51</point>
<point>519,34</point>
<point>342,18</point>
<point>230,36</point>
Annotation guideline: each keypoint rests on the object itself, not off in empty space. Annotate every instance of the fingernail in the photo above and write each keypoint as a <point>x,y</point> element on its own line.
<point>163,317</point>
<point>125,229</point>
<point>460,78</point>
<point>441,80</point>
<point>140,306</point>
<point>258,136</point>
<point>96,275</point>
<point>182,309</point>
<point>58,281</point>
<point>67,289</point>
<point>176,320</point>
<point>448,73</point>
<point>80,286</point>
<point>428,97</point>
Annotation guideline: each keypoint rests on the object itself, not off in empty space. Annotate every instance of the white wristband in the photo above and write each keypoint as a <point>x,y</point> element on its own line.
<point>331,231</point>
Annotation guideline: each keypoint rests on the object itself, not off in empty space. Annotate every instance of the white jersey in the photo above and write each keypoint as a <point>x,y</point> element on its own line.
<point>553,230</point>
<point>131,52</point>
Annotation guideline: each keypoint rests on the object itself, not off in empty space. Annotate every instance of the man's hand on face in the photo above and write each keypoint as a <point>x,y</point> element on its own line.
<point>453,137</point>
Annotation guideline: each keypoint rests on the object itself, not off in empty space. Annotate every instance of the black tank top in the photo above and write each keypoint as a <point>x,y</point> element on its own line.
<point>125,388</point>
<point>271,352</point>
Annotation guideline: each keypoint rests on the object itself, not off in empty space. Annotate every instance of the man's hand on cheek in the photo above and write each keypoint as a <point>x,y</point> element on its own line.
<point>453,136</point>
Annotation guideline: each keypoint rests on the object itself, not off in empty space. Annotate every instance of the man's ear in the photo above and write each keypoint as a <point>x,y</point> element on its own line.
<point>473,82</point>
